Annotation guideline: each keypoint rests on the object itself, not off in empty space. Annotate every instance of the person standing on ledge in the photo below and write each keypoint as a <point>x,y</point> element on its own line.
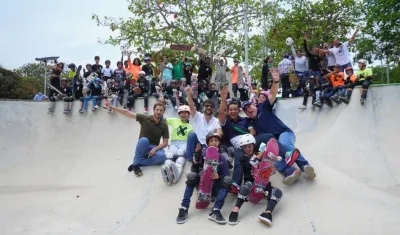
<point>149,151</point>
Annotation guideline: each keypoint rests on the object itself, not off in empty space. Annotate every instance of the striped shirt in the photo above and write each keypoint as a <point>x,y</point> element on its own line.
<point>284,66</point>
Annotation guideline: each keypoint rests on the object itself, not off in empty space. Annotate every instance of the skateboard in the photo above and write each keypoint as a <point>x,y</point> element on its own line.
<point>180,47</point>
<point>210,166</point>
<point>263,171</point>
<point>195,89</point>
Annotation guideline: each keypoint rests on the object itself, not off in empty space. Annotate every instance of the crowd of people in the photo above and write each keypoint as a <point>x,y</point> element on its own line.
<point>325,73</point>
<point>208,116</point>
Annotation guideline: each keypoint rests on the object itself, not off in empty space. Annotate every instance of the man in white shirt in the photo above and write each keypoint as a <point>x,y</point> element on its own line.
<point>284,66</point>
<point>203,123</point>
<point>341,52</point>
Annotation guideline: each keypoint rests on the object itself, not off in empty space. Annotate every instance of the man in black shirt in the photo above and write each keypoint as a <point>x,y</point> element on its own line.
<point>314,61</point>
<point>205,70</point>
<point>97,67</point>
<point>188,71</point>
<point>147,67</point>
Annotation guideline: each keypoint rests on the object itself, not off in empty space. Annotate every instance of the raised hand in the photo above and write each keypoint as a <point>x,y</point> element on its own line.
<point>275,74</point>
<point>224,92</point>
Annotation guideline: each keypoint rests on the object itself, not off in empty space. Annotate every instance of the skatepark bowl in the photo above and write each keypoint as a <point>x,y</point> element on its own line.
<point>67,174</point>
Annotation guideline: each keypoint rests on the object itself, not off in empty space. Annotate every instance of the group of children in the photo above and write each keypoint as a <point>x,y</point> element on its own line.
<point>336,86</point>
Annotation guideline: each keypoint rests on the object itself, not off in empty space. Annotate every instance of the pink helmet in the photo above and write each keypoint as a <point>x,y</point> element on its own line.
<point>265,93</point>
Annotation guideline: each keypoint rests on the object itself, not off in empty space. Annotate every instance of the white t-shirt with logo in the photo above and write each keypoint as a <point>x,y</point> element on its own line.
<point>107,72</point>
<point>341,53</point>
<point>201,127</point>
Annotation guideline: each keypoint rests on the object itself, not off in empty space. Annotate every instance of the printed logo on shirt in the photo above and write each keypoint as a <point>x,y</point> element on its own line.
<point>182,131</point>
<point>340,52</point>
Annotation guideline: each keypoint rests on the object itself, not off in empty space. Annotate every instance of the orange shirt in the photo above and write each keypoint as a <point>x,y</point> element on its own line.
<point>352,78</point>
<point>235,74</point>
<point>337,80</point>
<point>134,69</point>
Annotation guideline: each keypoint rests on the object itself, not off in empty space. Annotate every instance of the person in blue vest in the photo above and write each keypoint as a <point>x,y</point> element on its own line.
<point>263,120</point>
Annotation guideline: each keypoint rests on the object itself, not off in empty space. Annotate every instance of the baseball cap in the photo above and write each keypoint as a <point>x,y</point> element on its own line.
<point>245,104</point>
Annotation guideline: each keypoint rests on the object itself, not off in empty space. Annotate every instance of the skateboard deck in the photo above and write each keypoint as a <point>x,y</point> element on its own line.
<point>211,163</point>
<point>263,171</point>
<point>180,47</point>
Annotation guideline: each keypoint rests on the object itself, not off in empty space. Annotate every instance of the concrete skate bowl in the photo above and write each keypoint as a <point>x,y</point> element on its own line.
<point>66,174</point>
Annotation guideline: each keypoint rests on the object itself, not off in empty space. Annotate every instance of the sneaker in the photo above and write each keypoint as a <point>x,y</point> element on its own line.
<point>344,99</point>
<point>292,156</point>
<point>176,107</point>
<point>65,111</point>
<point>318,104</point>
<point>216,216</point>
<point>303,107</point>
<point>96,107</point>
<point>93,109</point>
<point>362,100</point>
<point>290,179</point>
<point>104,107</point>
<point>146,110</point>
<point>182,216</point>
<point>233,218</point>
<point>83,110</point>
<point>266,218</point>
<point>310,172</point>
<point>136,169</point>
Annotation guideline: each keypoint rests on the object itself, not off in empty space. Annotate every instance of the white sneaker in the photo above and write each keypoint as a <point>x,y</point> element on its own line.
<point>303,107</point>
<point>176,107</point>
<point>96,107</point>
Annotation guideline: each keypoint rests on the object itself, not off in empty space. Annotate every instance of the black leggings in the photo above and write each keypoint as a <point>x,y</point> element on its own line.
<point>132,98</point>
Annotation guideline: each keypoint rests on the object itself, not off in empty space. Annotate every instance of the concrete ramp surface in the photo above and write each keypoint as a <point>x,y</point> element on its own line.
<point>67,174</point>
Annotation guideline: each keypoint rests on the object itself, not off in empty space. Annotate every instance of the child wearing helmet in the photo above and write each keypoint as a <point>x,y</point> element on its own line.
<point>248,161</point>
<point>222,182</point>
<point>172,169</point>
<point>363,77</point>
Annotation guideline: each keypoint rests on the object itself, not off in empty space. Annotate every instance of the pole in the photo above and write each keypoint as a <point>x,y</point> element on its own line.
<point>264,34</point>
<point>382,68</point>
<point>45,77</point>
<point>246,40</point>
<point>387,72</point>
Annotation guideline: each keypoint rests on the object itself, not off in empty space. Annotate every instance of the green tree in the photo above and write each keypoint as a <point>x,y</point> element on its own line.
<point>9,82</point>
<point>382,30</point>
<point>323,20</point>
<point>208,24</point>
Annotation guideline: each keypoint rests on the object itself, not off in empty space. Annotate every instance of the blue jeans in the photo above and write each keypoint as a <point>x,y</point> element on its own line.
<point>288,139</point>
<point>219,201</point>
<point>142,148</point>
<point>316,74</point>
<point>192,141</point>
<point>86,101</point>
<point>343,67</point>
<point>280,166</point>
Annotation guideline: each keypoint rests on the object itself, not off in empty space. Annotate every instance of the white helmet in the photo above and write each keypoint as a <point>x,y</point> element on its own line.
<point>142,72</point>
<point>362,61</point>
<point>289,41</point>
<point>247,139</point>
<point>183,108</point>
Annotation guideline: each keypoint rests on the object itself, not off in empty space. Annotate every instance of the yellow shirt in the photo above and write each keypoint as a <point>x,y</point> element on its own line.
<point>367,72</point>
<point>180,130</point>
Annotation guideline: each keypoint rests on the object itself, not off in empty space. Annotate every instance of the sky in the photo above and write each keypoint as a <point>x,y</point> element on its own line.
<point>41,28</point>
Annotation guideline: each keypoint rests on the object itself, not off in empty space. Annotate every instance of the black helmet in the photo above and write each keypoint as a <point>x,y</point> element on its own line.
<point>72,65</point>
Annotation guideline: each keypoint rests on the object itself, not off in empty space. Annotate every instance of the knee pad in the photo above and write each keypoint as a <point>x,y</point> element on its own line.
<point>226,182</point>
<point>245,190</point>
<point>276,194</point>
<point>169,155</point>
<point>365,85</point>
<point>53,99</point>
<point>192,179</point>
<point>181,152</point>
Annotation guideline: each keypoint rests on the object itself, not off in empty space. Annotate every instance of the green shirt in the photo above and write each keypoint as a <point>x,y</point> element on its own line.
<point>177,71</point>
<point>151,130</point>
<point>367,72</point>
<point>180,130</point>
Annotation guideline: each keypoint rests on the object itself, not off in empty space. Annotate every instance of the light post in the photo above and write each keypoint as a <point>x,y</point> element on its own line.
<point>45,60</point>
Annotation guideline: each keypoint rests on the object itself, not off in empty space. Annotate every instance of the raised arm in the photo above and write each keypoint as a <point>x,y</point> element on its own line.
<point>275,85</point>
<point>351,40</point>
<point>124,112</point>
<point>223,106</point>
<point>191,105</point>
<point>305,47</point>
<point>293,51</point>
